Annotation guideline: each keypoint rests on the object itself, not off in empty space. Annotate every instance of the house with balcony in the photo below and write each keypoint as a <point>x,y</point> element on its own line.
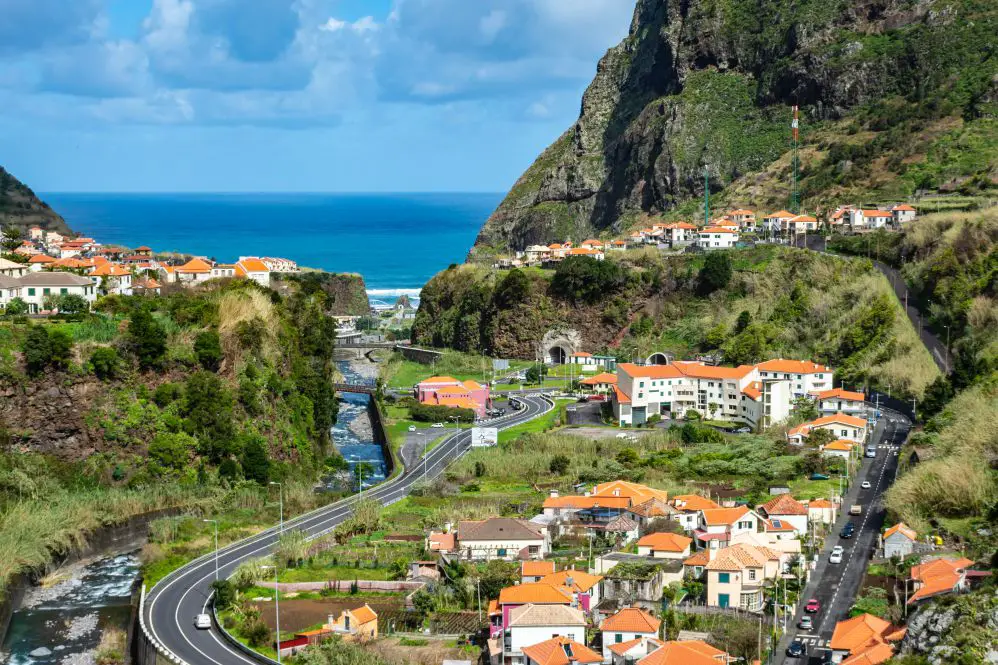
<point>777,223</point>
<point>717,237</point>
<point>839,400</point>
<point>805,377</point>
<point>745,219</point>
<point>688,507</point>
<point>737,575</point>
<point>801,224</point>
<point>626,625</point>
<point>717,527</point>
<point>533,624</point>
<point>841,425</point>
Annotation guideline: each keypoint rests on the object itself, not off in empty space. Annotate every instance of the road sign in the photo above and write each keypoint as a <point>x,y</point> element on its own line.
<point>483,437</point>
<point>500,365</point>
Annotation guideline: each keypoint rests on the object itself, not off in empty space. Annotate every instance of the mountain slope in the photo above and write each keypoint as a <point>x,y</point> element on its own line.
<point>19,207</point>
<point>709,83</point>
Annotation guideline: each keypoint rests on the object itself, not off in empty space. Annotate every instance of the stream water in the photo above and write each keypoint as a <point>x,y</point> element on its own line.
<point>352,434</point>
<point>61,624</point>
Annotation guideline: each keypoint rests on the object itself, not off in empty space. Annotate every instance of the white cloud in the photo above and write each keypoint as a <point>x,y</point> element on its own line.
<point>333,25</point>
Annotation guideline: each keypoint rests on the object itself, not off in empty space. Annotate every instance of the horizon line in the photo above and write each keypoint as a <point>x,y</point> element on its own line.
<point>265,193</point>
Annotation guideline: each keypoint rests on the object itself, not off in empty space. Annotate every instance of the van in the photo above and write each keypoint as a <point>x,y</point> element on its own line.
<point>856,510</point>
<point>871,451</point>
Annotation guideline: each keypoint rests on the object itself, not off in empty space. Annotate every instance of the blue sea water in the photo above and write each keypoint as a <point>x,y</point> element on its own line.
<point>396,241</point>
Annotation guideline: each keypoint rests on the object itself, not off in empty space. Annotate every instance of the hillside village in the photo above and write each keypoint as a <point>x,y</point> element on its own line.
<point>56,272</point>
<point>732,229</point>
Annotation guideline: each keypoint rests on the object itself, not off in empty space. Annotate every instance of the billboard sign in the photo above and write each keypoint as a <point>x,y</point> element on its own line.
<point>500,365</point>
<point>483,437</point>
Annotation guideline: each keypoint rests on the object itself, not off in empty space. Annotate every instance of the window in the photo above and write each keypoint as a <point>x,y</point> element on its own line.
<point>751,574</point>
<point>618,638</point>
<point>501,551</point>
<point>723,578</point>
<point>63,291</point>
<point>46,291</point>
<point>31,291</point>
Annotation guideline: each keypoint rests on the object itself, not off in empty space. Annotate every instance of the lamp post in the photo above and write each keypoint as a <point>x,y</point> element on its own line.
<point>422,435</point>
<point>280,499</point>
<point>215,522</point>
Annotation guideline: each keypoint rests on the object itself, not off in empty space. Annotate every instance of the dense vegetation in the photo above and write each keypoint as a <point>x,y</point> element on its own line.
<point>748,304</point>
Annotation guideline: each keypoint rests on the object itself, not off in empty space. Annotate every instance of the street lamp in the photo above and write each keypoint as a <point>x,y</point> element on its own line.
<point>947,349</point>
<point>422,435</point>
<point>277,574</point>
<point>215,522</point>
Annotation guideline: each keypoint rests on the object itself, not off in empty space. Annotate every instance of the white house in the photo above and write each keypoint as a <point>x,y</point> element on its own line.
<point>632,651</point>
<point>664,545</point>
<point>10,288</point>
<point>254,269</point>
<point>629,623</point>
<point>529,624</point>
<point>500,538</point>
<point>10,268</point>
<point>777,222</point>
<point>839,400</point>
<point>195,271</point>
<point>802,224</point>
<point>688,507</point>
<point>841,425</point>
<point>745,219</point>
<point>869,219</point>
<point>785,510</point>
<point>717,526</point>
<point>535,253</point>
<point>903,213</point>
<point>36,286</point>
<point>737,575</point>
<point>534,571</point>
<point>838,448</point>
<point>717,237</point>
<point>805,377</point>
<point>112,278</point>
<point>223,270</point>
<point>899,540</point>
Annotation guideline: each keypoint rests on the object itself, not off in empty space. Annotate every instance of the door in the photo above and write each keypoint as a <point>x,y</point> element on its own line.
<point>723,600</point>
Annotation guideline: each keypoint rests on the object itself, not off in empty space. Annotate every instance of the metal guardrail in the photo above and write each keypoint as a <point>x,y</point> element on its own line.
<point>161,648</point>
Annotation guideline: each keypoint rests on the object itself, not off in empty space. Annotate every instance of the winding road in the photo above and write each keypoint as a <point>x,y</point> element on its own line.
<point>169,609</point>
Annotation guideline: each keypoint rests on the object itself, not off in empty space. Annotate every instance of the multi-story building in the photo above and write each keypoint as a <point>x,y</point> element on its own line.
<point>841,425</point>
<point>805,377</point>
<point>717,237</point>
<point>839,400</point>
<point>36,287</point>
<point>530,624</point>
<point>737,575</point>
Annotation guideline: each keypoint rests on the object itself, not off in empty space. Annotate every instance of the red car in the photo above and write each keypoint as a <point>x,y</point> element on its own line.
<point>812,606</point>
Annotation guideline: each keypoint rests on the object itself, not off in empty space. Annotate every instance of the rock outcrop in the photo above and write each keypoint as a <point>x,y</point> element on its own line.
<point>700,93</point>
<point>19,207</point>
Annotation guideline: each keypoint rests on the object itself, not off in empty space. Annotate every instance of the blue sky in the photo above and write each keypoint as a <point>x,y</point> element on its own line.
<point>292,95</point>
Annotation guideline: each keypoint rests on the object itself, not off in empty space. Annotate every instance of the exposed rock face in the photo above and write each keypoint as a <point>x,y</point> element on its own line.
<point>48,415</point>
<point>21,208</point>
<point>708,85</point>
<point>965,626</point>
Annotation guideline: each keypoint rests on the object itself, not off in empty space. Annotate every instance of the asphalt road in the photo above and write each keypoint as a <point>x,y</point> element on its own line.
<point>837,585</point>
<point>173,603</point>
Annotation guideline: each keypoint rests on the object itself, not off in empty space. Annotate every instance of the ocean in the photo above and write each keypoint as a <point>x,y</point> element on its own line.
<point>396,241</point>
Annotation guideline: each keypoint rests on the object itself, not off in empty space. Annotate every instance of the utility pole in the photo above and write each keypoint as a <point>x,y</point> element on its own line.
<point>795,162</point>
<point>215,522</point>
<point>706,196</point>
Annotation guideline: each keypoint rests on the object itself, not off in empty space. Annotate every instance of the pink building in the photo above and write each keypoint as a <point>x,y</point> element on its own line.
<point>448,391</point>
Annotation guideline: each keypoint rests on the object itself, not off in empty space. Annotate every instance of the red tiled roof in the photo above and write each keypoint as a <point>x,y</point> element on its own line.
<point>665,542</point>
<point>631,620</point>
<point>561,651</point>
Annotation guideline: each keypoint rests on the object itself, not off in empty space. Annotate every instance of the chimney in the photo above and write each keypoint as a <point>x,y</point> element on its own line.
<point>448,526</point>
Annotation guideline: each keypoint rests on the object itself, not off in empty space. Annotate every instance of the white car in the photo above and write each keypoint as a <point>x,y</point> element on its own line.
<point>836,555</point>
<point>412,428</point>
<point>866,485</point>
<point>621,436</point>
<point>202,622</point>
<point>437,425</point>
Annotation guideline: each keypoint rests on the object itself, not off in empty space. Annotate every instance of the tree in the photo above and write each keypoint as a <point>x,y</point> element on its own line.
<point>747,347</point>
<point>208,414</point>
<point>225,594</point>
<point>584,279</point>
<point>806,408</point>
<point>16,307</point>
<point>13,236</point>
<point>104,362</point>
<point>628,457</point>
<point>512,290</point>
<point>937,395</point>
<point>256,463</point>
<point>37,350</point>
<point>172,451</point>
<point>208,349</point>
<point>61,345</point>
<point>744,319</point>
<point>716,272</point>
<point>497,576</point>
<point>559,464</point>
<point>147,339</point>
<point>819,437</point>
<point>72,303</point>
<point>715,337</point>
<point>535,372</point>
<point>712,409</point>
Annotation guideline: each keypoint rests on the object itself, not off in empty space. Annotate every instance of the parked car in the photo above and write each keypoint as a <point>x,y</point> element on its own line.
<point>797,649</point>
<point>813,606</point>
<point>805,622</point>
<point>412,428</point>
<point>743,430</point>
<point>437,425</point>
<point>202,622</point>
<point>856,509</point>
<point>819,476</point>
<point>848,531</point>
<point>622,435</point>
<point>871,451</point>
<point>866,485</point>
<point>836,555</point>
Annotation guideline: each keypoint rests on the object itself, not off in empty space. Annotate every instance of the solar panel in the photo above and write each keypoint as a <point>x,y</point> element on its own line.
<point>777,524</point>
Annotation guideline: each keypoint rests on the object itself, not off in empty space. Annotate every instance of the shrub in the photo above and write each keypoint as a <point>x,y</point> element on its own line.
<point>61,345</point>
<point>37,349</point>
<point>225,594</point>
<point>147,339</point>
<point>716,272</point>
<point>256,464</point>
<point>167,393</point>
<point>208,349</point>
<point>71,303</point>
<point>559,464</point>
<point>429,413</point>
<point>104,362</point>
<point>16,307</point>
<point>584,279</point>
<point>172,451</point>
<point>208,412</point>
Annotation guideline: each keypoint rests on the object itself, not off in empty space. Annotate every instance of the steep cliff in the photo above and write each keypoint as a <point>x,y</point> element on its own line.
<point>19,207</point>
<point>708,84</point>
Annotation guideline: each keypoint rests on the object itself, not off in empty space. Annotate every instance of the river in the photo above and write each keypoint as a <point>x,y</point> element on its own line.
<point>352,434</point>
<point>61,623</point>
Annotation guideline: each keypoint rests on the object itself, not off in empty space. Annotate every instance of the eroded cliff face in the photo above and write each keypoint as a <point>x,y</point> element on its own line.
<point>708,84</point>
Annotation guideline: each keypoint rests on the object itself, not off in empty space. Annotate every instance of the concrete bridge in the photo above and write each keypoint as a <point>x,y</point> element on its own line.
<point>362,388</point>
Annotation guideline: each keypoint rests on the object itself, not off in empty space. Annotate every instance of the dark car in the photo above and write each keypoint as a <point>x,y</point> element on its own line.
<point>848,531</point>
<point>797,649</point>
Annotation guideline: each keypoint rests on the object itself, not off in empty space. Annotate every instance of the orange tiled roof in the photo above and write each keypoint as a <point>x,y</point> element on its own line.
<point>903,529</point>
<point>937,576</point>
<point>599,378</point>
<point>439,379</point>
<point>865,637</point>
<point>820,503</point>
<point>780,214</point>
<point>784,504</point>
<point>691,502</point>
<point>653,508</point>
<point>717,229</point>
<point>109,270</point>
<point>452,391</point>
<point>688,652</point>
<point>842,394</point>
<point>636,492</point>
<point>195,266</point>
<point>583,502</point>
<point>903,207</point>
<point>441,541</point>
<point>738,557</point>
<point>536,568</point>
<point>792,366</point>
<point>840,445</point>
<point>665,542</point>
<point>534,592</point>
<point>717,516</point>
<point>701,558</point>
<point>561,651</point>
<point>41,258</point>
<point>741,212</point>
<point>254,265</point>
<point>753,390</point>
<point>631,620</point>
<point>620,395</point>
<point>581,580</point>
<point>364,614</point>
